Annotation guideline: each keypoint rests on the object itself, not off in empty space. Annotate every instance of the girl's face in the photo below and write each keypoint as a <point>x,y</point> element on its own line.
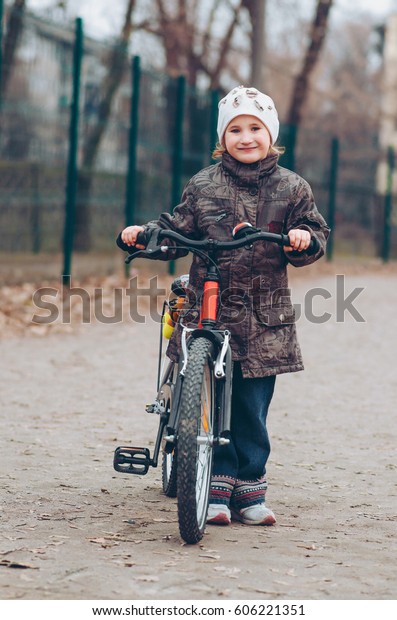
<point>247,139</point>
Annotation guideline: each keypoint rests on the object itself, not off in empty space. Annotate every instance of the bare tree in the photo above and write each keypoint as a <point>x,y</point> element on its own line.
<point>117,64</point>
<point>257,11</point>
<point>13,33</point>
<point>189,50</point>
<point>190,46</point>
<point>316,40</point>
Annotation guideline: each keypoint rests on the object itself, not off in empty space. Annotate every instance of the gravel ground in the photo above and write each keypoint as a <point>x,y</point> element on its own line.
<point>72,528</point>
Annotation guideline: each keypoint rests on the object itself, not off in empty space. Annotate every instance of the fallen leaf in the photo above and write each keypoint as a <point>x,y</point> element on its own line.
<point>99,541</point>
<point>12,564</point>
<point>251,589</point>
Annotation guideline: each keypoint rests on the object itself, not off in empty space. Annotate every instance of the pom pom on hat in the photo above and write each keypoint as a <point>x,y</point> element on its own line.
<point>242,100</point>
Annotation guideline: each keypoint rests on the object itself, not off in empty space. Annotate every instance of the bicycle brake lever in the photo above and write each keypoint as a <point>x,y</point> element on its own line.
<point>133,255</point>
<point>153,248</point>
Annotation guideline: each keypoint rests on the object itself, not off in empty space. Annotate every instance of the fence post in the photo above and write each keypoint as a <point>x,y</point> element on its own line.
<point>131,195</point>
<point>35,215</point>
<point>71,180</point>
<point>388,205</point>
<point>1,51</point>
<point>213,122</point>
<point>333,180</point>
<point>177,158</point>
<point>288,136</point>
<point>130,202</point>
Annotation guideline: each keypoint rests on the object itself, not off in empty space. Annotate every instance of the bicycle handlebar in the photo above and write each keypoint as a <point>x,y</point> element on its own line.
<point>152,237</point>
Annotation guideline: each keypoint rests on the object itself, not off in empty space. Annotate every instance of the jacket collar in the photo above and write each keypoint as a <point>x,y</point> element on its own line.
<point>249,175</point>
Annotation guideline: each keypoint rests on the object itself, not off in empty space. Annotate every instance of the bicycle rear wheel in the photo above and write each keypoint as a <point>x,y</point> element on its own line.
<point>195,441</point>
<point>169,473</point>
<point>169,453</point>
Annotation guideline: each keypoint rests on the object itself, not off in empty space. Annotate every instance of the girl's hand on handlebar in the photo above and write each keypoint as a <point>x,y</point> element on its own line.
<point>129,235</point>
<point>299,240</point>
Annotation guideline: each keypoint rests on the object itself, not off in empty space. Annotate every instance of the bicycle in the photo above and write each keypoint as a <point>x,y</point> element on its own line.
<point>194,394</point>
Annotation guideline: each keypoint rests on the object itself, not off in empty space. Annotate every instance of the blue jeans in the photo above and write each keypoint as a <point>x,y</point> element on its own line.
<point>240,467</point>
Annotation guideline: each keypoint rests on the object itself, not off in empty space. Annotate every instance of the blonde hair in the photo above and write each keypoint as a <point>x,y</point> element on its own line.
<point>220,149</point>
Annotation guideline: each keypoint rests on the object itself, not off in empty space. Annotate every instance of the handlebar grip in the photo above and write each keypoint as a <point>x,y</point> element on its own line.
<point>143,238</point>
<point>314,246</point>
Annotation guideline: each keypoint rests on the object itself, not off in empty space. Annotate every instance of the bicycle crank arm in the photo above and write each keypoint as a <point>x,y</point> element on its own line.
<point>128,460</point>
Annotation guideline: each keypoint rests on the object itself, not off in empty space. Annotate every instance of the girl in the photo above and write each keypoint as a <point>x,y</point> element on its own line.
<point>248,185</point>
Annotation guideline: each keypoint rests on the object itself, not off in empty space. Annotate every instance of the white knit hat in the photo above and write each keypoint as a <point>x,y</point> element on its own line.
<point>249,101</point>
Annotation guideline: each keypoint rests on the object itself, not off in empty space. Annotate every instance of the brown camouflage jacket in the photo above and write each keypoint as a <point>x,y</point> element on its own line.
<point>255,302</point>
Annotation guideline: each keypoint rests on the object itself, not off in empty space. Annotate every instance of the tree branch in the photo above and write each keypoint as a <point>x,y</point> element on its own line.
<point>214,75</point>
<point>317,38</point>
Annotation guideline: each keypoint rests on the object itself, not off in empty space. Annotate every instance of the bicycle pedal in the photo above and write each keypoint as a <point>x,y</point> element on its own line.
<point>129,460</point>
<point>154,408</point>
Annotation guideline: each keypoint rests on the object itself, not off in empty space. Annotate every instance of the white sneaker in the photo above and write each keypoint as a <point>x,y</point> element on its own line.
<point>258,514</point>
<point>218,514</point>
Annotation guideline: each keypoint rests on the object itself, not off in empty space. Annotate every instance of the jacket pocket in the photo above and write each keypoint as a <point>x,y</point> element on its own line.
<point>275,316</point>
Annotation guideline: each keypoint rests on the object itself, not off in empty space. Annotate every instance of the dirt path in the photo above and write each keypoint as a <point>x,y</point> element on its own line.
<point>85,532</point>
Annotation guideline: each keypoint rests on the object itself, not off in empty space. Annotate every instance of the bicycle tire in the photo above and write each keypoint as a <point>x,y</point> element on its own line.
<point>169,473</point>
<point>195,435</point>
<point>169,459</point>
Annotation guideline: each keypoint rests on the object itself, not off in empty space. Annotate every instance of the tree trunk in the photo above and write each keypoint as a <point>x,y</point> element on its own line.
<point>117,65</point>
<point>317,38</point>
<point>257,11</point>
<point>14,30</point>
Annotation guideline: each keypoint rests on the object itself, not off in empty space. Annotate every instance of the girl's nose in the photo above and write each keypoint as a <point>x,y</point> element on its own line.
<point>246,138</point>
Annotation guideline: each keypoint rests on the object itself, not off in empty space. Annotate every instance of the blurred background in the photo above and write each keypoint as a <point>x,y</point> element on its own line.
<point>106,109</point>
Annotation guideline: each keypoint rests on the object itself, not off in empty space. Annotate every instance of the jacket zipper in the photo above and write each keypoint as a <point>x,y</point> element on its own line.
<point>217,218</point>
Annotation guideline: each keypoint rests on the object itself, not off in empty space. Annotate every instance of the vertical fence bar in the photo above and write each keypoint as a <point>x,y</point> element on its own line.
<point>292,140</point>
<point>332,188</point>
<point>131,184</point>
<point>177,158</point>
<point>131,195</point>
<point>388,206</point>
<point>35,215</point>
<point>213,122</point>
<point>71,180</point>
<point>288,137</point>
<point>1,51</point>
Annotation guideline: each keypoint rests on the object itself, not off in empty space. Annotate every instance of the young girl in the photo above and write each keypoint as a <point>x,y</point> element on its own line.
<point>248,185</point>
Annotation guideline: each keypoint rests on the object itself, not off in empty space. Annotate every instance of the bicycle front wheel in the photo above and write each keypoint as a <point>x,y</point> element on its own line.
<point>195,441</point>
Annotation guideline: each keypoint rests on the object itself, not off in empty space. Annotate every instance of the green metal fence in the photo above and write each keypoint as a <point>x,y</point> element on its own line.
<point>159,132</point>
